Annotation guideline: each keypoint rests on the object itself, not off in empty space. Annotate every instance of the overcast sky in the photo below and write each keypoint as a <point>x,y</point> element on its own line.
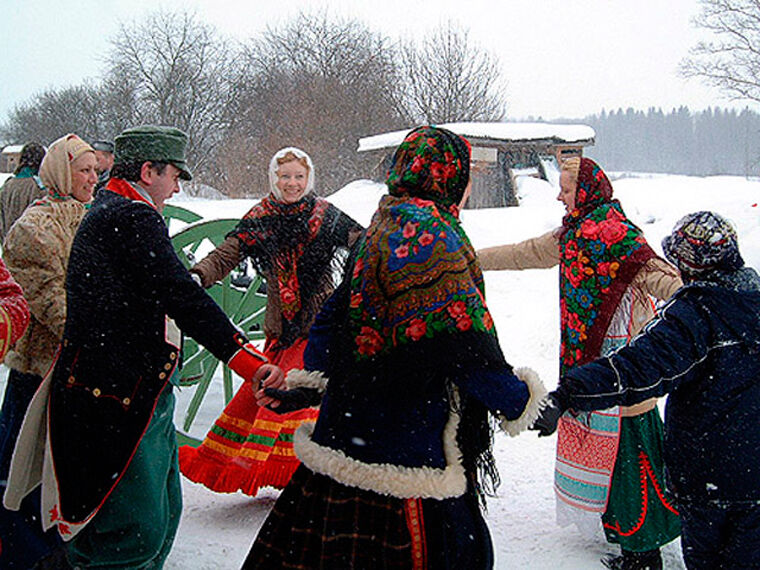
<point>561,58</point>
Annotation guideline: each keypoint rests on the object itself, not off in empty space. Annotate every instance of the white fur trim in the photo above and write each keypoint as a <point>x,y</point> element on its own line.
<point>537,392</point>
<point>298,378</point>
<point>384,478</point>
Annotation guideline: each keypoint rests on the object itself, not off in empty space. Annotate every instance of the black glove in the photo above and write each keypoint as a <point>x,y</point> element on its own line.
<point>295,399</point>
<point>551,411</point>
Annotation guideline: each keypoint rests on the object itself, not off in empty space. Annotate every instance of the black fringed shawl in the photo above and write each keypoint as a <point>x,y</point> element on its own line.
<point>297,247</point>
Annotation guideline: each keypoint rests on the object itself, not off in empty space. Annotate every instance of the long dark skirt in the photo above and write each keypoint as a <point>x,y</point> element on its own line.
<point>22,540</point>
<point>320,523</point>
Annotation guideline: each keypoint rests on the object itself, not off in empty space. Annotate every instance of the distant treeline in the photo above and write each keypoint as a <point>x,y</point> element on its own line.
<point>713,141</point>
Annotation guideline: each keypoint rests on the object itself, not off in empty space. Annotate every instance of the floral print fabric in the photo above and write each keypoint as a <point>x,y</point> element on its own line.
<point>600,253</point>
<point>416,275</point>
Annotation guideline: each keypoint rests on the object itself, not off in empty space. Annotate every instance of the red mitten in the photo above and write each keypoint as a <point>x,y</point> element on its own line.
<point>246,361</point>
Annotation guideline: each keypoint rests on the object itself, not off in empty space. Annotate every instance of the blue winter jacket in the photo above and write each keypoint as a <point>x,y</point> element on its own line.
<point>704,350</point>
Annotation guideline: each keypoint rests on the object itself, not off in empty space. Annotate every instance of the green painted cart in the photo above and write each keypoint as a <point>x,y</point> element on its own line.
<point>240,295</point>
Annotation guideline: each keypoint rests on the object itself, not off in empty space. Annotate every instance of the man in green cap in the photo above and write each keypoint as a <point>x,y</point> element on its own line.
<point>110,478</point>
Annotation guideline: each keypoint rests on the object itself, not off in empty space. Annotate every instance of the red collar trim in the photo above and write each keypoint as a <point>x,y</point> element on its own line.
<point>125,189</point>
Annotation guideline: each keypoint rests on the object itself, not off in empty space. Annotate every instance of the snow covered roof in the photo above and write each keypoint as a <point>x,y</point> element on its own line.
<point>510,132</point>
<point>11,148</point>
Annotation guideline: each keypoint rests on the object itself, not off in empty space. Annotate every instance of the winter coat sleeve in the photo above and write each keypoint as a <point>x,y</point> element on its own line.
<point>665,356</point>
<point>217,264</point>
<point>514,396</point>
<point>536,253</point>
<point>658,278</point>
<point>317,350</point>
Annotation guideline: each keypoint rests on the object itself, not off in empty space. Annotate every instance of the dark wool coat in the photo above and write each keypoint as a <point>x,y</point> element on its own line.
<point>123,280</point>
<point>704,350</point>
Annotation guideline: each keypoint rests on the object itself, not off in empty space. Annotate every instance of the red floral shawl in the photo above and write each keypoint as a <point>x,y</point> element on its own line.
<point>601,251</point>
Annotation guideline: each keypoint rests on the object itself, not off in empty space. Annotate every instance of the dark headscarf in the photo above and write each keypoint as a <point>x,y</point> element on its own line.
<point>417,312</point>
<point>433,164</point>
<point>31,157</point>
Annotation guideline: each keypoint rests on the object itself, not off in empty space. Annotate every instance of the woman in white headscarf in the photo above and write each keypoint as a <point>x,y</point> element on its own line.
<point>36,251</point>
<point>294,240</point>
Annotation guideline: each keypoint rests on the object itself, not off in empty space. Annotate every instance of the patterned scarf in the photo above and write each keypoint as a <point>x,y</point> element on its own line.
<point>416,295</point>
<point>600,253</point>
<point>296,244</point>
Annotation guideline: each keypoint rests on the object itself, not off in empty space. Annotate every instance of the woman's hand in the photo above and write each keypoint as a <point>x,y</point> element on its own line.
<point>287,401</point>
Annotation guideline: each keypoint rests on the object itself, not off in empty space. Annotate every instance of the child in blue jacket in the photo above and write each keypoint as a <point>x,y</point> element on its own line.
<point>703,350</point>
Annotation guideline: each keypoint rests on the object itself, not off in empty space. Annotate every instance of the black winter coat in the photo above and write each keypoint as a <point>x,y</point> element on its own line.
<point>704,350</point>
<point>123,280</point>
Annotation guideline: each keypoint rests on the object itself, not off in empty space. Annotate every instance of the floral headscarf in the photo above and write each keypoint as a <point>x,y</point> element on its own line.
<point>601,251</point>
<point>416,295</point>
<point>416,274</point>
<point>433,164</point>
<point>55,170</point>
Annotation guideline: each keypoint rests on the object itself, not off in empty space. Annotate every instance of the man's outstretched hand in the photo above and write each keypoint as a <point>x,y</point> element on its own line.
<point>268,376</point>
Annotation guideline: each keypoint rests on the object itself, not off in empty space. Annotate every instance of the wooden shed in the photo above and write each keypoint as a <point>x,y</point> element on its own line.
<point>9,157</point>
<point>500,151</point>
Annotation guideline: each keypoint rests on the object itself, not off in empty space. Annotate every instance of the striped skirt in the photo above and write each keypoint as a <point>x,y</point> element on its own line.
<point>249,447</point>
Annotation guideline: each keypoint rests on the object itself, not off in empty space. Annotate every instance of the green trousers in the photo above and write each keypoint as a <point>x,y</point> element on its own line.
<point>136,526</point>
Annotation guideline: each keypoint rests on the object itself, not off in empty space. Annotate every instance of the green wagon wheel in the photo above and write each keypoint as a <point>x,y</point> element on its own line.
<point>172,212</point>
<point>237,294</point>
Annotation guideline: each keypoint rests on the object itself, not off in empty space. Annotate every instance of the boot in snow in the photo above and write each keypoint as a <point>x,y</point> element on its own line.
<point>628,560</point>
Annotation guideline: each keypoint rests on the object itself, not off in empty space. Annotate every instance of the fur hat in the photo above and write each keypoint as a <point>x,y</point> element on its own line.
<point>703,242</point>
<point>155,144</point>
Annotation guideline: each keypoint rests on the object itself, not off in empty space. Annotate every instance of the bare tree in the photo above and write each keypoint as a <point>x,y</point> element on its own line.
<point>318,83</point>
<point>731,62</point>
<point>448,78</point>
<point>171,69</point>
<point>53,113</point>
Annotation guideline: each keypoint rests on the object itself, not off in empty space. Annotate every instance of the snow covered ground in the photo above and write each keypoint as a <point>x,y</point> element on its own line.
<point>217,530</point>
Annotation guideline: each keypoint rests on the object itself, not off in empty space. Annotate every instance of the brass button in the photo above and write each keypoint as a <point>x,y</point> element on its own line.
<point>72,379</point>
<point>162,375</point>
<point>96,392</point>
<point>65,342</point>
<point>167,366</point>
<point>126,401</point>
<point>173,356</point>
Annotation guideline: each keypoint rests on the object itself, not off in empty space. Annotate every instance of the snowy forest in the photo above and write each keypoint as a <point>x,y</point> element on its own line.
<point>321,82</point>
<point>317,81</point>
<point>710,142</point>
